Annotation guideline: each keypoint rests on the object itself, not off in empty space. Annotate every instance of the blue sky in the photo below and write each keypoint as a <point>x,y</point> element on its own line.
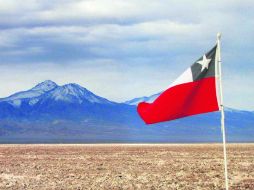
<point>124,49</point>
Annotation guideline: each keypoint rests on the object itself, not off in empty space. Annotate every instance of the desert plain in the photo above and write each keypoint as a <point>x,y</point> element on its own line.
<point>125,166</point>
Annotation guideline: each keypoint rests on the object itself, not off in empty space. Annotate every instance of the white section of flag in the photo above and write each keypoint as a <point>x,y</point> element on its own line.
<point>185,77</point>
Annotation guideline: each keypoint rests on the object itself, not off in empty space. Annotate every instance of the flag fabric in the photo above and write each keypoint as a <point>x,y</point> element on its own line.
<point>193,92</point>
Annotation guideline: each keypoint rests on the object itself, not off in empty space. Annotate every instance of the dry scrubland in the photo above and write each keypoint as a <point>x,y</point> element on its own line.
<point>124,166</point>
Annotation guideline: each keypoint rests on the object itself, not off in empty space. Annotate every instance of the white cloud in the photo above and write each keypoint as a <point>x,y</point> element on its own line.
<point>117,11</point>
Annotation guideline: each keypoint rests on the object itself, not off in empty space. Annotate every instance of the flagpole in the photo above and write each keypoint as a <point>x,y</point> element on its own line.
<point>222,111</point>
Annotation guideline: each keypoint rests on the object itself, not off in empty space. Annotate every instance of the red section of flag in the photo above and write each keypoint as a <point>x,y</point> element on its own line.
<point>181,101</point>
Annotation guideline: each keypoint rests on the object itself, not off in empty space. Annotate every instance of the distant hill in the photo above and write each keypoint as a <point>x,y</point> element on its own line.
<point>71,113</point>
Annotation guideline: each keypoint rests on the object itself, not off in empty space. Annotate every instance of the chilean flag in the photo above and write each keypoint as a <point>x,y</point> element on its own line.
<point>193,92</point>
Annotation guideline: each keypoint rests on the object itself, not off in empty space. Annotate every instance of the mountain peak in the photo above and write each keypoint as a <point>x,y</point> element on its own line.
<point>74,86</point>
<point>45,86</point>
<point>71,89</point>
<point>75,93</point>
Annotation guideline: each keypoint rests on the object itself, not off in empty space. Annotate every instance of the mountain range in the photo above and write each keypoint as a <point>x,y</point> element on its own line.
<point>71,113</point>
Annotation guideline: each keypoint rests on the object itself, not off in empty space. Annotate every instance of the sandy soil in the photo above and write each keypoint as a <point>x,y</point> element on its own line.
<point>125,166</point>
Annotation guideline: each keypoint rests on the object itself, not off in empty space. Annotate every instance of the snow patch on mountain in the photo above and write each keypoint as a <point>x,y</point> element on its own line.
<point>22,95</point>
<point>15,103</point>
<point>33,101</point>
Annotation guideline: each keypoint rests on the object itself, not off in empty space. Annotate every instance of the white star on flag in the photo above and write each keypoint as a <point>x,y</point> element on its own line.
<point>204,63</point>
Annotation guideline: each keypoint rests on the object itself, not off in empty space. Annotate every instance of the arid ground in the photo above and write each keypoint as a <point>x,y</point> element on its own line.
<point>118,166</point>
